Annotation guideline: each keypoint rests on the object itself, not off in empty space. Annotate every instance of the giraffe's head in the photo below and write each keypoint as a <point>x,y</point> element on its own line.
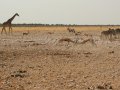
<point>17,14</point>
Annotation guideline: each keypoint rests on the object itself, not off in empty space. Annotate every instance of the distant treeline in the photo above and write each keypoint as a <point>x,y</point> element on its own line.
<point>38,25</point>
<point>49,25</point>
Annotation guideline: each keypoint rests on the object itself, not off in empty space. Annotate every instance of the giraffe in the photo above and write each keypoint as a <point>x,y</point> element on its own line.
<point>8,23</point>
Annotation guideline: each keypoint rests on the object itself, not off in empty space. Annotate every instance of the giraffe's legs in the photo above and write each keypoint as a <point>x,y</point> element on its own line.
<point>3,29</point>
<point>10,30</point>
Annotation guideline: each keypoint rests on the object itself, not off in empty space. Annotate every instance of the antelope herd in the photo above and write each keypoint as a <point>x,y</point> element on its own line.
<point>111,34</point>
<point>108,34</point>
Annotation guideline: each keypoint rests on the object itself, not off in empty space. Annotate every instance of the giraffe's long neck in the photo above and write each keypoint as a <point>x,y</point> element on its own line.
<point>11,19</point>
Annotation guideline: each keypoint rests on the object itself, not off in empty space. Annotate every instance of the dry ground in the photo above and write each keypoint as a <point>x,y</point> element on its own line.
<point>38,61</point>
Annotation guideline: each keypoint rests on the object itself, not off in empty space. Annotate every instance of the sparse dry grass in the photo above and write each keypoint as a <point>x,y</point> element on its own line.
<point>62,28</point>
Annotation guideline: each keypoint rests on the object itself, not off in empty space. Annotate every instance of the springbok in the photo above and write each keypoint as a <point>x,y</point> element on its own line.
<point>26,33</point>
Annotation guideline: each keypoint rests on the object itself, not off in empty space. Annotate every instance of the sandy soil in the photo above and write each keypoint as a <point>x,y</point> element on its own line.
<point>38,61</point>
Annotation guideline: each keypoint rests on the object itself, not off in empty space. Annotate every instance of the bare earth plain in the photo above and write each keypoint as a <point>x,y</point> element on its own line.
<point>38,61</point>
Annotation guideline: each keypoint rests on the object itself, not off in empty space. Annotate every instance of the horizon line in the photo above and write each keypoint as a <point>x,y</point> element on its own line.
<point>64,24</point>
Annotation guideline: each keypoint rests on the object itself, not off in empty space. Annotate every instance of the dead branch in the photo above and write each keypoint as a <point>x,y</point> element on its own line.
<point>89,40</point>
<point>66,40</point>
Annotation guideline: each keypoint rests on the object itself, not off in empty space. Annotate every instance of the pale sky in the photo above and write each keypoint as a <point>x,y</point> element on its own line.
<point>61,11</point>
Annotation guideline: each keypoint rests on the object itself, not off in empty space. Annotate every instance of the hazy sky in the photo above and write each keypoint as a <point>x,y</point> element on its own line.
<point>61,11</point>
